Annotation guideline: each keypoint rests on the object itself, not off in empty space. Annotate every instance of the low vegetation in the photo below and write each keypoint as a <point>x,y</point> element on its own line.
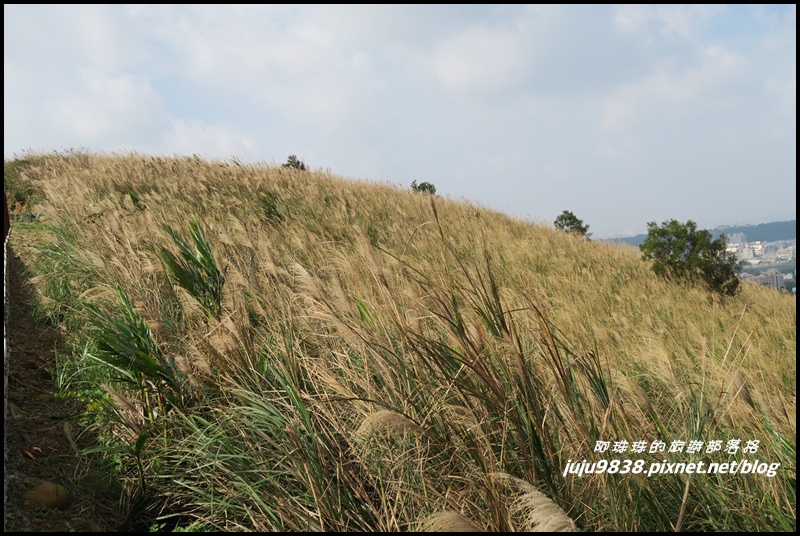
<point>269,350</point>
<point>19,189</point>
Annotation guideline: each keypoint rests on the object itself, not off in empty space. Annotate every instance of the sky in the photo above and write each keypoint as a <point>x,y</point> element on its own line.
<point>620,114</point>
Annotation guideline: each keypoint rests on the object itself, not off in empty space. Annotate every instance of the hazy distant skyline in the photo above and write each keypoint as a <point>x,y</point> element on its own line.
<point>620,114</point>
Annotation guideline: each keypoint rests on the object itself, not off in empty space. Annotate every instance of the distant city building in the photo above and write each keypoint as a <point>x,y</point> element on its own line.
<point>737,238</point>
<point>770,278</point>
<point>741,250</point>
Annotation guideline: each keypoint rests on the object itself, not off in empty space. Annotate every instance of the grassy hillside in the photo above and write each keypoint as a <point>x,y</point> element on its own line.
<point>275,349</point>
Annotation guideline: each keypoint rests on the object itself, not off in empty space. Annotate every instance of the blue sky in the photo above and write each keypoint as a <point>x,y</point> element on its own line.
<point>621,114</point>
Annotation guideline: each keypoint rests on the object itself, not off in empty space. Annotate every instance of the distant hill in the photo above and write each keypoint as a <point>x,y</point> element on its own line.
<point>762,232</point>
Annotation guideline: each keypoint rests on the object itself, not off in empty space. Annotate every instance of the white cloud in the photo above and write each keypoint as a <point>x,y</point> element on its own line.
<point>533,109</point>
<point>121,109</point>
<point>478,59</point>
<point>711,85</point>
<point>206,140</point>
<point>683,21</point>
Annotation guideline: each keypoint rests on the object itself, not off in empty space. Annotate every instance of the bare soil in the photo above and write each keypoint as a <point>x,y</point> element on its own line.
<point>43,437</point>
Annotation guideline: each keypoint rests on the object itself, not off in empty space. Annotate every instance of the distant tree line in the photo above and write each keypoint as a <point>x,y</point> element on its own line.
<point>762,232</point>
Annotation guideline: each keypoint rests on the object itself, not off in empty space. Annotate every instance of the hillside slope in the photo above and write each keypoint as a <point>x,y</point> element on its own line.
<point>371,358</point>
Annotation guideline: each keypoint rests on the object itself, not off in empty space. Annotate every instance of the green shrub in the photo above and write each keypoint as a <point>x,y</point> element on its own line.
<point>423,187</point>
<point>294,163</point>
<point>681,251</point>
<point>570,223</point>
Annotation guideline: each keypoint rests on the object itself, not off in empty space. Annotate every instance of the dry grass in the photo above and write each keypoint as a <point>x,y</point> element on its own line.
<point>352,308</point>
<point>448,522</point>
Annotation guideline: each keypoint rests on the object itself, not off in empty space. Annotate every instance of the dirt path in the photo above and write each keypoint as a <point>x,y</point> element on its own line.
<point>42,435</point>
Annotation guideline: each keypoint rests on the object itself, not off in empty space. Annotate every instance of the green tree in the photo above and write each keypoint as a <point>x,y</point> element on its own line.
<point>681,251</point>
<point>423,187</point>
<point>570,223</point>
<point>294,163</point>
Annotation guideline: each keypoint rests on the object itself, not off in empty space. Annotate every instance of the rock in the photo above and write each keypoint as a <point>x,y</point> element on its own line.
<point>91,526</point>
<point>49,495</point>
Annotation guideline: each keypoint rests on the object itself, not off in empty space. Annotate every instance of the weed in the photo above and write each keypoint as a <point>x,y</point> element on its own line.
<point>196,270</point>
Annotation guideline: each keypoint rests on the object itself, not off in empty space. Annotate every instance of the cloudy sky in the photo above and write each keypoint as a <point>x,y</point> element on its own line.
<point>621,114</point>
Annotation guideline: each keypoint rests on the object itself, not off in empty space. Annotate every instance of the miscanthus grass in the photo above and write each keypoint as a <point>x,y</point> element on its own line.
<point>283,349</point>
